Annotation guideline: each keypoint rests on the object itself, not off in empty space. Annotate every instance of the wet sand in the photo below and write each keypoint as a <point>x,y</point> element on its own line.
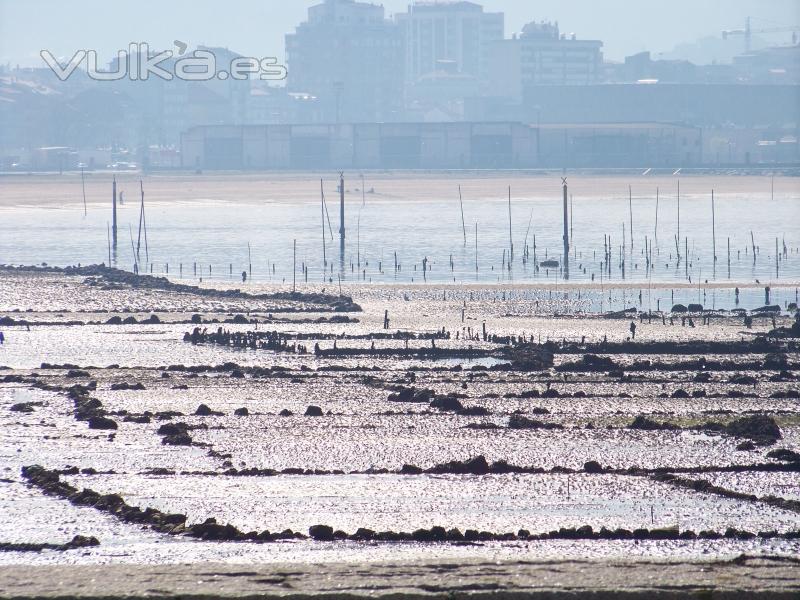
<point>750,578</point>
<point>61,191</point>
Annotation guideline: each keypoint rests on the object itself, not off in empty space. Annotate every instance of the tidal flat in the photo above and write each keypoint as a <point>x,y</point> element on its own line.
<point>147,422</point>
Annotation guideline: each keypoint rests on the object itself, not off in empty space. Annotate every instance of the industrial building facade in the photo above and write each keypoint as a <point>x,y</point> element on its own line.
<point>362,146</point>
<point>440,146</point>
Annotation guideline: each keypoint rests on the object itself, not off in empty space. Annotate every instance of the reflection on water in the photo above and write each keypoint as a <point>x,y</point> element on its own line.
<point>404,239</point>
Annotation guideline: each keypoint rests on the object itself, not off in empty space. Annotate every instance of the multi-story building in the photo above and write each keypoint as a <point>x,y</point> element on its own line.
<point>457,32</point>
<point>541,55</point>
<point>349,56</point>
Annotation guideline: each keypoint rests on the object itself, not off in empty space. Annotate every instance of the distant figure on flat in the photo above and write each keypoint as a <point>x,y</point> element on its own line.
<point>2,338</point>
<point>244,276</point>
<point>633,330</point>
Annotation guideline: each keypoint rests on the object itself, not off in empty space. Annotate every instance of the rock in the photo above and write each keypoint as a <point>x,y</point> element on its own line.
<point>197,319</point>
<point>455,535</point>
<point>783,454</point>
<point>523,422</point>
<point>138,386</point>
<point>285,413</point>
<point>81,541</point>
<point>115,320</point>
<point>321,533</point>
<point>241,412</point>
<point>410,394</point>
<point>529,357</point>
<point>447,403</point>
<point>776,362</point>
<point>239,320</point>
<point>774,309</point>
<point>743,380</point>
<point>75,373</point>
<point>695,308</point>
<point>363,535</point>
<point>210,530</point>
<point>313,411</point>
<point>205,411</point>
<point>179,439</point>
<point>593,467</point>
<point>642,423</point>
<point>592,362</point>
<point>473,466</point>
<point>411,470</point>
<point>761,429</point>
<point>99,422</point>
<point>138,419</point>
<point>746,446</point>
<point>153,320</point>
<point>482,426</point>
<point>474,411</point>
<point>22,407</point>
<point>679,308</point>
<point>680,393</point>
<point>173,429</point>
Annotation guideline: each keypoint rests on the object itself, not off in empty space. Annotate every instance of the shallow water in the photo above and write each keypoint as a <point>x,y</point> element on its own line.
<point>201,224</point>
<point>362,429</point>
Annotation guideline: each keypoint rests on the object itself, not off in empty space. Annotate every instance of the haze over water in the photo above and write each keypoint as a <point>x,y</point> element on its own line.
<point>213,223</point>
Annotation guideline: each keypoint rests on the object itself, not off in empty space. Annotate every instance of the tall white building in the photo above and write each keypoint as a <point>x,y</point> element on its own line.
<point>348,56</point>
<point>542,55</point>
<point>452,32</point>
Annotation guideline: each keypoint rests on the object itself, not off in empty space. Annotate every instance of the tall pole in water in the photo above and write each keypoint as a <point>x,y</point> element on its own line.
<point>510,235</point>
<point>83,188</point>
<point>656,227</point>
<point>713,230</point>
<point>114,213</point>
<point>341,220</point>
<point>679,219</point>
<point>341,206</point>
<point>566,228</point>
<point>630,209</point>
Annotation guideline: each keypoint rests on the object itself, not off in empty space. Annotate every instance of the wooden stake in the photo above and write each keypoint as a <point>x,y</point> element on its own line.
<point>463,224</point>
<point>565,257</point>
<point>630,210</point>
<point>729,258</point>
<point>713,228</point>
<point>83,188</point>
<point>476,246</point>
<point>655,232</point>
<point>679,218</point>
<point>114,212</point>
<point>510,236</point>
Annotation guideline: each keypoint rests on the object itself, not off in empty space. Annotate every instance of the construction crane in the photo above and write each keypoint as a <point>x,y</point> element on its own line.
<point>748,32</point>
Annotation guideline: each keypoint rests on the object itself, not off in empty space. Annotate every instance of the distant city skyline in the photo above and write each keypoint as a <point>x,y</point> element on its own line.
<point>257,27</point>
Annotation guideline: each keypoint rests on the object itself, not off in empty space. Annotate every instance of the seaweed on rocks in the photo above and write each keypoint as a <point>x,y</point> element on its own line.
<point>644,424</point>
<point>518,421</point>
<point>77,542</point>
<point>761,429</point>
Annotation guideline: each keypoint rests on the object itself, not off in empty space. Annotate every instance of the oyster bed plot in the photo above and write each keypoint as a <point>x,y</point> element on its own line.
<point>226,435</point>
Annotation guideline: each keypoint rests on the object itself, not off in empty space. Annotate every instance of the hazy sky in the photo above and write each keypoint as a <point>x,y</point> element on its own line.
<point>256,27</point>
